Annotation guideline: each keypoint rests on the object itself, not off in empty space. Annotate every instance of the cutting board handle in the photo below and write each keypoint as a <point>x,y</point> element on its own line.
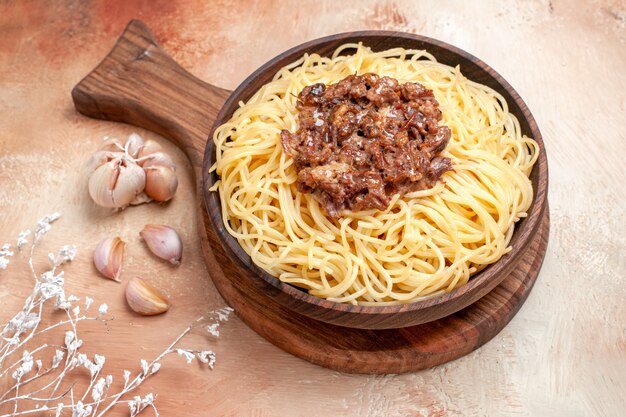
<point>139,84</point>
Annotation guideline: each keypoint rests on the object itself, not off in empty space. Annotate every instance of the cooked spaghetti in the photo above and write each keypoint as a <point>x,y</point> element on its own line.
<point>422,244</point>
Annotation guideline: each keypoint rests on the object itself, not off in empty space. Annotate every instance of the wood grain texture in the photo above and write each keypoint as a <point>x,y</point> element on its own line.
<point>563,354</point>
<point>138,84</point>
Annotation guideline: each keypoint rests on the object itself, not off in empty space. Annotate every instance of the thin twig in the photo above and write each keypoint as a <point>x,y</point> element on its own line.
<point>132,386</point>
<point>24,326</point>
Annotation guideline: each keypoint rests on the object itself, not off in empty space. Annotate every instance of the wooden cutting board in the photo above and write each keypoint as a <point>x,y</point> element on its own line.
<point>131,85</point>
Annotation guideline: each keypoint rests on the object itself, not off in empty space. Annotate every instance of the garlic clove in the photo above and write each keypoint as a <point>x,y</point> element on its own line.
<point>163,241</point>
<point>157,159</point>
<point>144,299</point>
<point>134,144</point>
<point>116,183</point>
<point>107,257</point>
<point>149,147</point>
<point>161,183</point>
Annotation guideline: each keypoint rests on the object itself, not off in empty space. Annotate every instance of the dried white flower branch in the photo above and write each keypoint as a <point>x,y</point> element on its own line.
<point>20,367</point>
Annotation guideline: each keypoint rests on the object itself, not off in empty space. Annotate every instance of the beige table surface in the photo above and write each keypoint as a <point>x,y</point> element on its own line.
<point>564,354</point>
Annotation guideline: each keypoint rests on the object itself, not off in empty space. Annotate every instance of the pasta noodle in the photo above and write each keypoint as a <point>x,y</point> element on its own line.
<point>426,242</point>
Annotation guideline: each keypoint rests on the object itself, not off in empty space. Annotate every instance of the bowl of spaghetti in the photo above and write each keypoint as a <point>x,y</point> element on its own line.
<point>375,179</point>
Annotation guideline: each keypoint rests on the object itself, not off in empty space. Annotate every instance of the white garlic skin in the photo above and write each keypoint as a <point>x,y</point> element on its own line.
<point>164,242</point>
<point>116,183</point>
<point>149,147</point>
<point>99,158</point>
<point>112,145</point>
<point>157,159</point>
<point>134,144</point>
<point>141,198</point>
<point>107,257</point>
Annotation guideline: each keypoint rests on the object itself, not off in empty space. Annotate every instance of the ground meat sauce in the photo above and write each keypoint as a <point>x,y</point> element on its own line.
<point>364,139</point>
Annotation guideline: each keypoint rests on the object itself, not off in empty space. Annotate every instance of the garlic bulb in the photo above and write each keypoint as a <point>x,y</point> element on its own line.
<point>107,257</point>
<point>164,242</point>
<point>135,172</point>
<point>116,183</point>
<point>144,299</point>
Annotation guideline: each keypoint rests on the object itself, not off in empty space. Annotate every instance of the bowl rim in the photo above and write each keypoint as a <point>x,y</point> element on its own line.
<point>489,277</point>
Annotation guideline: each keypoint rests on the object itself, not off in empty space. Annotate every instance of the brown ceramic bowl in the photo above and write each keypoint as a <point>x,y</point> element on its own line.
<point>139,84</point>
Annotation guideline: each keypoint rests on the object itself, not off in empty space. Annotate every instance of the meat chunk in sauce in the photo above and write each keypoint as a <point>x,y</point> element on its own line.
<point>364,139</point>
